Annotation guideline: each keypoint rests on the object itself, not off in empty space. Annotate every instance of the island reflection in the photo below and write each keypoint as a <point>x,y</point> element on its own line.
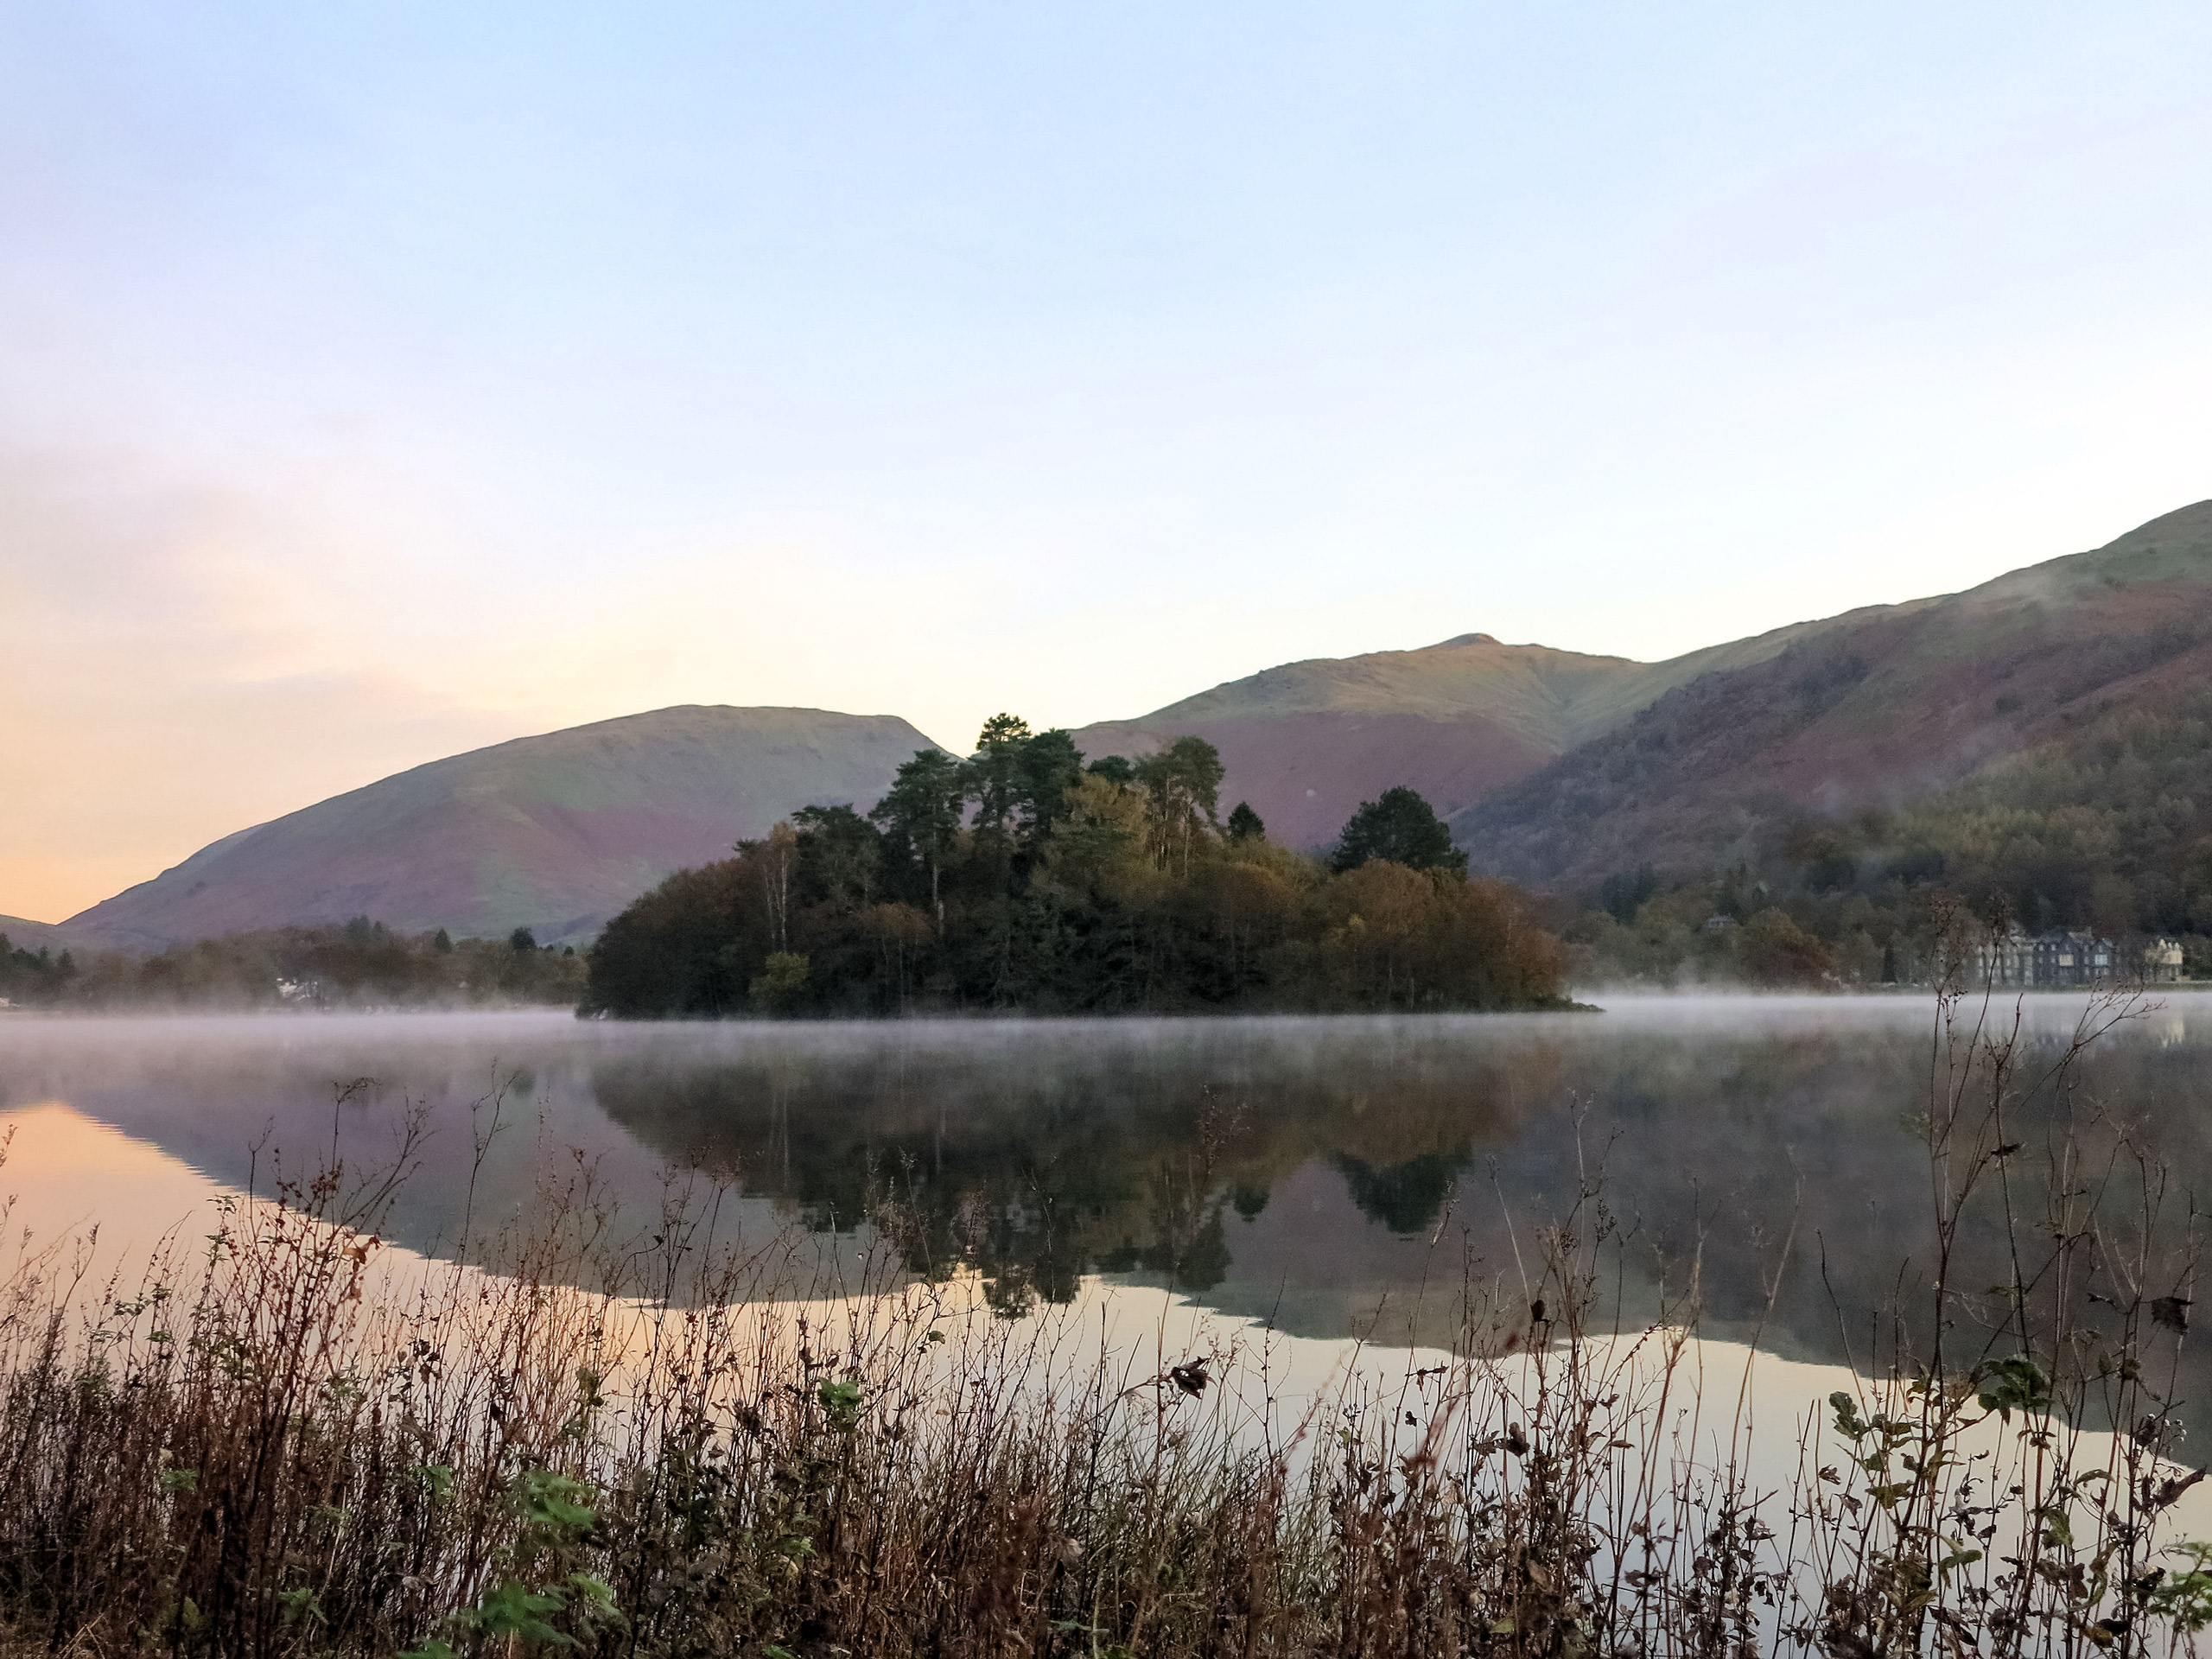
<point>1334,1177</point>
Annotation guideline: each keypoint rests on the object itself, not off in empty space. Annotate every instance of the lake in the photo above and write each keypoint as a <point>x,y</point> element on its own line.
<point>1246,1242</point>
<point>1332,1178</point>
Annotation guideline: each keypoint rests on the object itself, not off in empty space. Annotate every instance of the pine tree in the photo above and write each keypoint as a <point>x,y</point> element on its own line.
<point>1400,826</point>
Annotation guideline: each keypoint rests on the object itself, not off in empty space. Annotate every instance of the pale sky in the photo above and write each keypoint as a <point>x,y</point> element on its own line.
<point>380,381</point>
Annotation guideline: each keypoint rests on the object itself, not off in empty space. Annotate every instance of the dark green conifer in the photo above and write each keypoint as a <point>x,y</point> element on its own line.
<point>1401,827</point>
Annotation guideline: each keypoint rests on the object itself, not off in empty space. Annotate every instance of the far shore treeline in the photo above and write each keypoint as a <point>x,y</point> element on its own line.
<point>361,964</point>
<point>1022,877</point>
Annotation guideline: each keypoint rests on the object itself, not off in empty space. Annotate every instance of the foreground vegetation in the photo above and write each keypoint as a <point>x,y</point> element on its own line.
<point>286,1442</point>
<point>1022,878</point>
<point>362,964</point>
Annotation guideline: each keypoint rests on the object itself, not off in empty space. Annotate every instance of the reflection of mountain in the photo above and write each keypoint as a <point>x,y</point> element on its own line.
<point>1318,1175</point>
<point>1330,1175</point>
<point>245,1101</point>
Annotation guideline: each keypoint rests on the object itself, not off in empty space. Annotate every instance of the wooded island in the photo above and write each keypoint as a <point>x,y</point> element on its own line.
<point>1022,877</point>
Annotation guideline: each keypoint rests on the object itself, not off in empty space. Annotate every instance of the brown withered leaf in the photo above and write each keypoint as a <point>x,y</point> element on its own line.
<point>1191,1378</point>
<point>2172,1312</point>
<point>2170,1490</point>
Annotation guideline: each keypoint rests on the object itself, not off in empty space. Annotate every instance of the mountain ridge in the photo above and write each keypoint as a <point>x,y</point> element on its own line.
<point>1554,766</point>
<point>24,934</point>
<point>1866,711</point>
<point>555,832</point>
<point>1306,742</point>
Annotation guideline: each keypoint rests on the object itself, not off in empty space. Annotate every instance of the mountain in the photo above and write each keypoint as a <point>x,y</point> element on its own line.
<point>26,935</point>
<point>1305,743</point>
<point>556,833</point>
<point>1553,767</point>
<point>1873,712</point>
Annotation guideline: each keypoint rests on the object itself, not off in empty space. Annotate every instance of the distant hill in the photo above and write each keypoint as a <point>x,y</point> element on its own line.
<point>1307,742</point>
<point>556,833</point>
<point>1874,710</point>
<point>26,935</point>
<point>1553,767</point>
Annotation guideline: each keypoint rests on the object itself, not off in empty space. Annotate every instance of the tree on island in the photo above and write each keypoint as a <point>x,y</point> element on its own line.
<point>1019,780</point>
<point>1020,877</point>
<point>846,852</point>
<point>1182,789</point>
<point>922,815</point>
<point>1402,828</point>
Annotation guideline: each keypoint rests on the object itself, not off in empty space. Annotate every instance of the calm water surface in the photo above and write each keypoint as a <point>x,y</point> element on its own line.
<point>1334,1177</point>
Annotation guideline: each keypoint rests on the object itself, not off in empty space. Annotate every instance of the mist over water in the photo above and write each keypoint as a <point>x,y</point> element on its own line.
<point>1334,1177</point>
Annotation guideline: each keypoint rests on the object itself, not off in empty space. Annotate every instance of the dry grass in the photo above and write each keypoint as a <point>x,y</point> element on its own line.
<point>289,1441</point>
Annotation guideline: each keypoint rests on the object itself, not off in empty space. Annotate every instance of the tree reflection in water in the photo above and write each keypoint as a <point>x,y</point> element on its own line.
<point>1333,1176</point>
<point>1343,1177</point>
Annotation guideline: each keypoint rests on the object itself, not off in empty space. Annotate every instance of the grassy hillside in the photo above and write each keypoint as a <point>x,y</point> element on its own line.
<point>1877,712</point>
<point>26,935</point>
<point>554,833</point>
<point>1305,743</point>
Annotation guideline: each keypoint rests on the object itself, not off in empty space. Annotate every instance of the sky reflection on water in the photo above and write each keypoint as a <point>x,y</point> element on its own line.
<point>1331,1177</point>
